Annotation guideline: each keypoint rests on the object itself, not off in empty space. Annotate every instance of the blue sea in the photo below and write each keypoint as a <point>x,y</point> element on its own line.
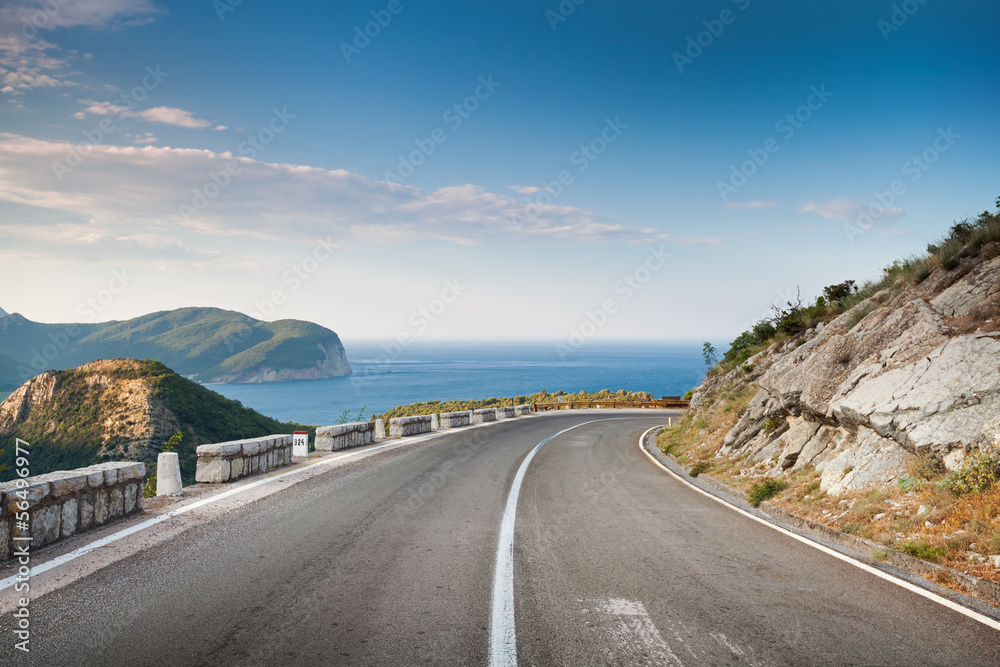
<point>385,377</point>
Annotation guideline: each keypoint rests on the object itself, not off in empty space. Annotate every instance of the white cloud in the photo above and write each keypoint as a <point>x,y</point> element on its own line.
<point>172,116</point>
<point>527,189</point>
<point>750,204</point>
<point>29,61</point>
<point>847,209</point>
<point>26,17</point>
<point>145,138</point>
<point>164,115</point>
<point>26,65</point>
<point>142,189</point>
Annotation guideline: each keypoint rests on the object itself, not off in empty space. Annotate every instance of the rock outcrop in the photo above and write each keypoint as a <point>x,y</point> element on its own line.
<point>911,370</point>
<point>121,409</point>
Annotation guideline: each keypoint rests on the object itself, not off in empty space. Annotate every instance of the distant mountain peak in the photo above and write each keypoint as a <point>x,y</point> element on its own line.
<point>3,313</point>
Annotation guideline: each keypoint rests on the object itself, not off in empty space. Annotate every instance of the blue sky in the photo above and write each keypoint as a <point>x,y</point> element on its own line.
<point>316,220</point>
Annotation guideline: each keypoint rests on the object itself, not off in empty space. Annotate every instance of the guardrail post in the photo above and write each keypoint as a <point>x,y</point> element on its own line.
<point>168,475</point>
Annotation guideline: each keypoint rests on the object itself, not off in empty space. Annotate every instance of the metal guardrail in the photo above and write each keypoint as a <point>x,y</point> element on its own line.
<point>662,403</point>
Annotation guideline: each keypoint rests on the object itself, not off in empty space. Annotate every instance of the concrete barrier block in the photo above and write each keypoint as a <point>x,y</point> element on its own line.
<point>252,447</point>
<point>86,510</point>
<point>405,426</point>
<point>484,415</point>
<point>129,493</point>
<point>6,541</point>
<point>455,419</point>
<point>34,493</point>
<point>70,515</point>
<point>95,477</point>
<point>45,525</point>
<point>116,502</point>
<point>100,506</point>
<point>213,470</point>
<point>67,483</point>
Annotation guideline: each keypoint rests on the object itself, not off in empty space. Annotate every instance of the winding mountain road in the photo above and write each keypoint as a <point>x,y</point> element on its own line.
<point>399,559</point>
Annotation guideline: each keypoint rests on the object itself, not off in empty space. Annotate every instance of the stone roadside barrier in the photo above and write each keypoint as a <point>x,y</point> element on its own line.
<point>484,415</point>
<point>506,412</point>
<point>455,419</point>
<point>64,503</point>
<point>522,410</point>
<point>228,461</point>
<point>344,436</point>
<point>403,426</point>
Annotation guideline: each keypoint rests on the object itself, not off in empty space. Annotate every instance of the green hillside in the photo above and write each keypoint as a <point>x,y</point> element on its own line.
<point>207,344</point>
<point>71,429</point>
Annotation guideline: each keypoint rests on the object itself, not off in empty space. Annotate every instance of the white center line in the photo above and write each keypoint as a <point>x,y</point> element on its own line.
<point>503,640</point>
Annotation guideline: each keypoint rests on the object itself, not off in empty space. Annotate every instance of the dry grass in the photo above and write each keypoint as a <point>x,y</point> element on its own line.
<point>696,440</point>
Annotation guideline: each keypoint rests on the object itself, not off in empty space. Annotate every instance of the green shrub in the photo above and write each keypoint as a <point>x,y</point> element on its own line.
<point>765,490</point>
<point>979,472</point>
<point>923,550</point>
<point>688,395</point>
<point>699,467</point>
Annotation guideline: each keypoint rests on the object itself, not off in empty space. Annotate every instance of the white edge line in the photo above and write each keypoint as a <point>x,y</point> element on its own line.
<point>114,537</point>
<point>934,597</point>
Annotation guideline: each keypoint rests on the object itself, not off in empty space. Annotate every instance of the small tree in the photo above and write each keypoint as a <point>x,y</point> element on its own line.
<point>709,355</point>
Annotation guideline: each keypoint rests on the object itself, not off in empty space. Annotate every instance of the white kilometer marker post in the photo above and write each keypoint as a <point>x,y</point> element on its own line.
<point>300,443</point>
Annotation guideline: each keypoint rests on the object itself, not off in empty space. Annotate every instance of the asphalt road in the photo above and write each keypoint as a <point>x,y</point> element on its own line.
<point>390,561</point>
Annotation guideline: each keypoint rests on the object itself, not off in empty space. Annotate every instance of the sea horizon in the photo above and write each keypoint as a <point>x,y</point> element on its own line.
<point>387,375</point>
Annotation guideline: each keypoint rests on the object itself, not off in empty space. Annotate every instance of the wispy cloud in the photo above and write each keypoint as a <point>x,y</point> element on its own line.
<point>28,61</point>
<point>846,209</point>
<point>145,188</point>
<point>94,14</point>
<point>750,204</point>
<point>164,115</point>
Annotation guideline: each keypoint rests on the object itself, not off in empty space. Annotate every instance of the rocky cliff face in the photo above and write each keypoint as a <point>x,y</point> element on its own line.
<point>912,370</point>
<point>131,421</point>
<point>121,409</point>
<point>332,362</point>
